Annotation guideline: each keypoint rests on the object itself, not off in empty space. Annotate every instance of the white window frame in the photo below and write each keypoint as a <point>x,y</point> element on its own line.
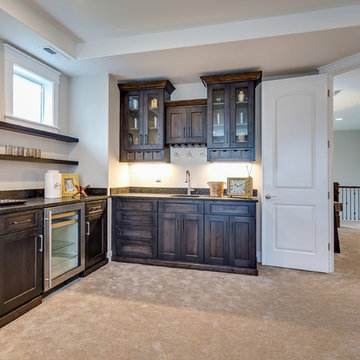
<point>13,57</point>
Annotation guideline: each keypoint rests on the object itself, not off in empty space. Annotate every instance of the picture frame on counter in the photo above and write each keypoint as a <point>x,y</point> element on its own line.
<point>240,187</point>
<point>68,184</point>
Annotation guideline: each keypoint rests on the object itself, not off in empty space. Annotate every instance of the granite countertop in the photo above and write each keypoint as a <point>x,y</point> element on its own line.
<point>172,196</point>
<point>40,203</point>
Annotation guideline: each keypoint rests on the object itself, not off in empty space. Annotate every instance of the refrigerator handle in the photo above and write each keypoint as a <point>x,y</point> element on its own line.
<point>48,251</point>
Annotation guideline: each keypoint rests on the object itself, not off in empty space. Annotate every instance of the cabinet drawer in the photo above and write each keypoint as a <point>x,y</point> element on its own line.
<point>231,208</point>
<point>231,155</point>
<point>22,221</point>
<point>132,204</point>
<point>137,249</point>
<point>94,207</point>
<point>135,232</point>
<point>181,207</point>
<point>142,218</point>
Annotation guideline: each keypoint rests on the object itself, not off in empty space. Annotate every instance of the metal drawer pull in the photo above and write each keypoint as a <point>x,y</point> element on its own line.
<point>41,242</point>
<point>21,222</point>
<point>95,209</point>
<point>88,228</point>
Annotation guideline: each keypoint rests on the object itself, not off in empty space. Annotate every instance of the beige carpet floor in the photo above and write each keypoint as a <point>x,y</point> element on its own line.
<point>127,311</point>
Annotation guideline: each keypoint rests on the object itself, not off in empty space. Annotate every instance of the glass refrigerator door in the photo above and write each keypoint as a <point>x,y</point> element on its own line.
<point>65,244</point>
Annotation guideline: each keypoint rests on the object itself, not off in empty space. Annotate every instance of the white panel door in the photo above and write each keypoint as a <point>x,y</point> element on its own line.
<point>295,216</point>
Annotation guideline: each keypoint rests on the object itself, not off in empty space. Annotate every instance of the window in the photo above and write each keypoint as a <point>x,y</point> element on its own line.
<point>31,90</point>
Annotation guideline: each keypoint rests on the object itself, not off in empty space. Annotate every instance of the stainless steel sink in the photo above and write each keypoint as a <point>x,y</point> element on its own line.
<point>184,196</point>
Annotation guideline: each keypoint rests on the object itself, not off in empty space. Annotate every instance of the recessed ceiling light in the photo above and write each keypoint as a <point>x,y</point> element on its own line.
<point>339,119</point>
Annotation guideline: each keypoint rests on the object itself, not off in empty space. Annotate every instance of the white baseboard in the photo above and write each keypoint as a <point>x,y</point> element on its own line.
<point>258,256</point>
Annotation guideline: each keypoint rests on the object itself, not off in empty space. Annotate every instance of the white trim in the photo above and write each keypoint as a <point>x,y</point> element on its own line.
<point>258,256</point>
<point>350,63</point>
<point>33,124</point>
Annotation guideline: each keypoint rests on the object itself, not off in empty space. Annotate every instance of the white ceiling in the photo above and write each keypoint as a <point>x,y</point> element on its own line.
<point>110,19</point>
<point>347,102</point>
<point>182,40</point>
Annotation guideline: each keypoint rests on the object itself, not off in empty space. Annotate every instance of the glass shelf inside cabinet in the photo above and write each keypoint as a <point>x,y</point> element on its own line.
<point>241,129</point>
<point>218,116</point>
<point>153,120</point>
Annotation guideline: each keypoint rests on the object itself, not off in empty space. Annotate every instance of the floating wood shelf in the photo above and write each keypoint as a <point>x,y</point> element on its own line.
<point>38,160</point>
<point>35,132</point>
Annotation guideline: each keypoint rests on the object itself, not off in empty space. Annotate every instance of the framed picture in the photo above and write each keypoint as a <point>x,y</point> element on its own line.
<point>241,187</point>
<point>68,184</point>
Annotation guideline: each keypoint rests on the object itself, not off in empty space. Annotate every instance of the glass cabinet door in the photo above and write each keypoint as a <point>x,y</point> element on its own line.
<point>241,115</point>
<point>133,120</point>
<point>219,128</point>
<point>153,116</point>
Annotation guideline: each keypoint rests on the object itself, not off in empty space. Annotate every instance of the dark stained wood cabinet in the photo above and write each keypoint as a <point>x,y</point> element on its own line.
<point>200,234</point>
<point>96,235</point>
<point>181,237</point>
<point>186,122</point>
<point>230,239</point>
<point>21,260</point>
<point>134,228</point>
<point>142,121</point>
<point>231,116</point>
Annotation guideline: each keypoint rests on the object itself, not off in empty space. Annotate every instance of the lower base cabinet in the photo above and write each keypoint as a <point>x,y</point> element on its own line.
<point>21,260</point>
<point>199,234</point>
<point>96,233</point>
<point>230,240</point>
<point>181,237</point>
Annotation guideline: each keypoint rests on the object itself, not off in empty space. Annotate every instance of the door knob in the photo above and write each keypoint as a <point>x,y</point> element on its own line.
<point>268,196</point>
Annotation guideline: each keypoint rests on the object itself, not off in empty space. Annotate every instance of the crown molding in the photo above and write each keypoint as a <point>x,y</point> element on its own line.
<point>340,66</point>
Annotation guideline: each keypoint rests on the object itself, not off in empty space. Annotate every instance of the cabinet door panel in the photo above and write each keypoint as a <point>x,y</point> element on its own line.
<point>216,240</point>
<point>196,124</point>
<point>242,241</point>
<point>132,115</point>
<point>192,238</point>
<point>175,125</point>
<point>242,114</point>
<point>153,119</point>
<point>96,239</point>
<point>20,269</point>
<point>169,236</point>
<point>137,249</point>
<point>218,114</point>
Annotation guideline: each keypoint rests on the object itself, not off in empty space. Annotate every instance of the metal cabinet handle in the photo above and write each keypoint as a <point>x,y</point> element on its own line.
<point>21,222</point>
<point>183,224</point>
<point>227,136</point>
<point>88,228</point>
<point>146,139</point>
<point>141,139</point>
<point>41,237</point>
<point>95,209</point>
<point>177,224</point>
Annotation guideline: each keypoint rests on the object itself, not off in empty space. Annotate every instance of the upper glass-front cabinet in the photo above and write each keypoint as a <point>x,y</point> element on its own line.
<point>133,120</point>
<point>154,115</point>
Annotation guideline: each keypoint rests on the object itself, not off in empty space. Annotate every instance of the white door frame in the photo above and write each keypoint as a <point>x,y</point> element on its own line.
<point>333,69</point>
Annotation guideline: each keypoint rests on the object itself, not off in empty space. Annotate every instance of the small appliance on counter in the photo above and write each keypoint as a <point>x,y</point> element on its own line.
<point>53,184</point>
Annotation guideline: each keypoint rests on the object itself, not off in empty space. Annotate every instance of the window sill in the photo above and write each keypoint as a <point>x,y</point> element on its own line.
<point>23,122</point>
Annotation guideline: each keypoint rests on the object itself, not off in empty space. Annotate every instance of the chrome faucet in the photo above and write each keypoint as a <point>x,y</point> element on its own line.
<point>187,181</point>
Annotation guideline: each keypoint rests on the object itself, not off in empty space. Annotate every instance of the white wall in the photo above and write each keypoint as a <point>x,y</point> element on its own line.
<point>118,173</point>
<point>20,175</point>
<point>346,157</point>
<point>89,114</point>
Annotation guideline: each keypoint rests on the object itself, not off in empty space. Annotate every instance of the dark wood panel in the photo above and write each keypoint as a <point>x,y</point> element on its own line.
<point>231,155</point>
<point>20,269</point>
<point>192,238</point>
<point>188,265</point>
<point>142,218</point>
<point>137,249</point>
<point>135,232</point>
<point>133,204</point>
<point>230,207</point>
<point>169,236</point>
<point>159,84</point>
<point>242,244</point>
<point>196,124</point>
<point>22,220</point>
<point>35,132</point>
<point>176,125</point>
<point>213,79</point>
<point>181,206</point>
<point>216,240</point>
<point>193,102</point>
<point>94,207</point>
<point>37,160</point>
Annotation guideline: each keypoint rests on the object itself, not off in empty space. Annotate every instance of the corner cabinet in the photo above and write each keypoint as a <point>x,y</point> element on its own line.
<point>142,121</point>
<point>231,116</point>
